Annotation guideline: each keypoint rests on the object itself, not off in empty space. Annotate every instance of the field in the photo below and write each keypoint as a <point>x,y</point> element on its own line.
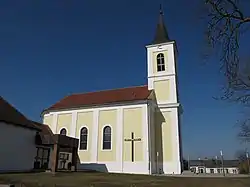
<point>110,180</point>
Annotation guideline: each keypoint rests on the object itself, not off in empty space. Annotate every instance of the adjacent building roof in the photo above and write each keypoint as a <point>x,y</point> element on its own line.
<point>102,97</point>
<point>10,115</point>
<point>45,135</point>
<point>196,163</point>
<point>47,138</point>
<point>211,163</point>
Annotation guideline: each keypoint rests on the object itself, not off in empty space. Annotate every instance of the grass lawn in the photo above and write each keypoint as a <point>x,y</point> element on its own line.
<point>110,180</point>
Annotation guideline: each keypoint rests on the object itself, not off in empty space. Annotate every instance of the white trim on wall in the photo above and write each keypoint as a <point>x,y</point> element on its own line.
<point>150,66</point>
<point>95,137</point>
<point>54,123</point>
<point>167,109</point>
<point>173,134</point>
<point>161,76</point>
<point>119,138</point>
<point>159,46</point>
<point>46,115</point>
<point>100,108</point>
<point>73,124</point>
<point>133,104</point>
<point>177,138</point>
<point>146,136</point>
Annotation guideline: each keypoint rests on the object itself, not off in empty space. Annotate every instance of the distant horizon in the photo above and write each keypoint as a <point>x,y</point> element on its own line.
<point>211,158</point>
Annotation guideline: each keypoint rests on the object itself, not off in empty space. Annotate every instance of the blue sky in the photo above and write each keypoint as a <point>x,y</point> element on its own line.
<point>49,49</point>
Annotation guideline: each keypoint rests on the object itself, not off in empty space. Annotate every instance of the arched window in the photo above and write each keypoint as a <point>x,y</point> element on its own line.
<point>63,131</point>
<point>106,138</point>
<point>160,62</point>
<point>84,138</point>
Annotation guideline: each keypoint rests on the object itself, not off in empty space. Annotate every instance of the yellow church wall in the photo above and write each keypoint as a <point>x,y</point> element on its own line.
<point>162,91</point>
<point>64,121</point>
<point>163,134</point>
<point>165,53</point>
<point>132,122</point>
<point>85,119</point>
<point>48,120</point>
<point>107,117</point>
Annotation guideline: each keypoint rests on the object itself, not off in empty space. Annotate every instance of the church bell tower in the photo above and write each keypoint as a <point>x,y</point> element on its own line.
<point>162,71</point>
<point>162,79</point>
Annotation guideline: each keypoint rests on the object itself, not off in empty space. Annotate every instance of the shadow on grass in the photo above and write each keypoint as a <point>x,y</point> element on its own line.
<point>92,167</point>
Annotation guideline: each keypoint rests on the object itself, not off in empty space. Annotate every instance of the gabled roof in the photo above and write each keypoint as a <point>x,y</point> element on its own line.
<point>102,97</point>
<point>10,115</point>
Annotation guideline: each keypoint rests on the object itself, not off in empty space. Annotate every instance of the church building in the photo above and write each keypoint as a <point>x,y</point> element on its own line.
<point>128,130</point>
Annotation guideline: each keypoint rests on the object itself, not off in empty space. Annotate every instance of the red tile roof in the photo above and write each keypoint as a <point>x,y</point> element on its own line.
<point>10,115</point>
<point>103,97</point>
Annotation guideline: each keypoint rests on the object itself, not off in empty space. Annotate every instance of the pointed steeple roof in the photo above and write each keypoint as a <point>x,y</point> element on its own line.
<point>161,34</point>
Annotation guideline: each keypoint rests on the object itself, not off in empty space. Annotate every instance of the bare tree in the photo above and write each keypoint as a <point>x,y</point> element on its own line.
<point>241,155</point>
<point>227,22</point>
<point>243,161</point>
<point>244,133</point>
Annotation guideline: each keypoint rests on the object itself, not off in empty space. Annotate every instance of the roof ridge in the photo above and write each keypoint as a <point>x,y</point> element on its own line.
<point>14,108</point>
<point>102,97</point>
<point>113,89</point>
<point>13,115</point>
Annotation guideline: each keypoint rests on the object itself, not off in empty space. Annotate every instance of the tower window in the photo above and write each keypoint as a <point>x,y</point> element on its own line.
<point>160,62</point>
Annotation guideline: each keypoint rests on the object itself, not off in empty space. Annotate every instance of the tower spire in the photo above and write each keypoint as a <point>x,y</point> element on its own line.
<point>161,34</point>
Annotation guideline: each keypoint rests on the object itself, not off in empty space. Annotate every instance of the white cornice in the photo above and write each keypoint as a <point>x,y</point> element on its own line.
<point>155,45</point>
<point>166,105</point>
<point>95,106</point>
<point>169,105</point>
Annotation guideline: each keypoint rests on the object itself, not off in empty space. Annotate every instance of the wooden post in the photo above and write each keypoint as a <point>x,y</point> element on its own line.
<point>74,159</point>
<point>54,160</point>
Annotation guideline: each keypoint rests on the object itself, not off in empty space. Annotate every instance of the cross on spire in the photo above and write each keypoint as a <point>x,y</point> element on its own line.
<point>161,11</point>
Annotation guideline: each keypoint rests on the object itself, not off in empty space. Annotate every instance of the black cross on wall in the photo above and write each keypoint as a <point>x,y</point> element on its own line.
<point>132,140</point>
